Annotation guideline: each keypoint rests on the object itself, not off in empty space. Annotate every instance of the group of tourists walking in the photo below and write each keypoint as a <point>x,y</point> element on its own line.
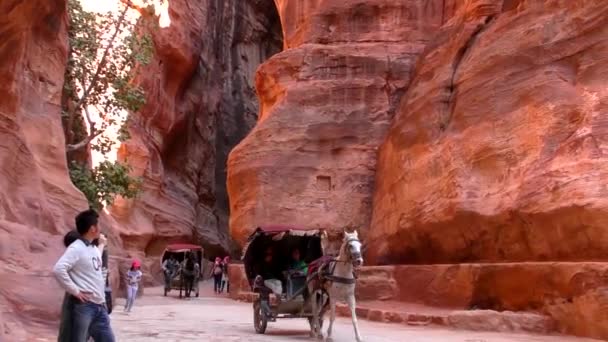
<point>82,271</point>
<point>219,272</point>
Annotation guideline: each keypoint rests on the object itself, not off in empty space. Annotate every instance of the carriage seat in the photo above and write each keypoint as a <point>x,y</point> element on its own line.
<point>295,282</point>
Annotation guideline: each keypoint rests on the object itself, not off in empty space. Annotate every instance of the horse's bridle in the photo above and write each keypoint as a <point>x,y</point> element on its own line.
<point>341,280</point>
<point>350,254</point>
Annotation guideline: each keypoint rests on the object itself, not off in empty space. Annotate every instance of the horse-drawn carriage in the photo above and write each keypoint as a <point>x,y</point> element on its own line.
<point>305,288</point>
<point>182,278</point>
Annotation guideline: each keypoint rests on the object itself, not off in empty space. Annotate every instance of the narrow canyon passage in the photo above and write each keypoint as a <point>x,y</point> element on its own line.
<point>465,140</point>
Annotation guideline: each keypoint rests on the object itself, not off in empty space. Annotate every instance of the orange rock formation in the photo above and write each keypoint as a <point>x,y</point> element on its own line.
<point>494,154</point>
<point>445,131</point>
<point>200,103</point>
<point>325,106</point>
<point>37,199</point>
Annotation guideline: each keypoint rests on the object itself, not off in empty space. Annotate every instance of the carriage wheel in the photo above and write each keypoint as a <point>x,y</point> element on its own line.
<point>260,322</point>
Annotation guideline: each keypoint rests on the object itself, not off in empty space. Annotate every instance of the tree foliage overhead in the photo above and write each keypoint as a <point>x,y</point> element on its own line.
<point>104,182</point>
<point>106,52</point>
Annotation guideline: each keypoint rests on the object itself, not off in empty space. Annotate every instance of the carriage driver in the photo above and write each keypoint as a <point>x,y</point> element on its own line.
<point>170,267</point>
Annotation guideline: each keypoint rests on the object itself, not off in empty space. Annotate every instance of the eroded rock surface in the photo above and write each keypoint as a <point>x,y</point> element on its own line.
<point>200,104</point>
<point>497,150</point>
<point>497,154</point>
<point>325,106</point>
<point>37,199</point>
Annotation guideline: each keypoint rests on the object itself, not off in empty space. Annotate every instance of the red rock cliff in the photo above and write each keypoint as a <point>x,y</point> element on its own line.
<point>37,199</point>
<point>497,150</point>
<point>200,104</point>
<point>325,106</point>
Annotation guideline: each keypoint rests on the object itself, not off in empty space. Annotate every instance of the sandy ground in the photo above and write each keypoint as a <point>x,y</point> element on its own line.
<point>213,318</point>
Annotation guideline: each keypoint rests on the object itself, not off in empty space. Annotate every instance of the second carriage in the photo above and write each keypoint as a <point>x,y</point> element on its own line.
<point>180,276</point>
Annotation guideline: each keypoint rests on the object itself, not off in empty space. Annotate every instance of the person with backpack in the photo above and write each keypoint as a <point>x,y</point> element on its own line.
<point>106,274</point>
<point>133,278</point>
<point>216,272</point>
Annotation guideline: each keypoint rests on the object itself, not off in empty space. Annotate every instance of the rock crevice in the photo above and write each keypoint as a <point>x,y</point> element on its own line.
<point>460,55</point>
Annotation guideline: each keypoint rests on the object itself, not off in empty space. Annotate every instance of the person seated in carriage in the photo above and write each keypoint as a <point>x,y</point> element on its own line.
<point>269,273</point>
<point>170,269</point>
<point>268,279</point>
<point>297,266</point>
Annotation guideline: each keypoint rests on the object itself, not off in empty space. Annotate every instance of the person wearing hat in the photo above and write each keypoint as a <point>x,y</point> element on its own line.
<point>133,278</point>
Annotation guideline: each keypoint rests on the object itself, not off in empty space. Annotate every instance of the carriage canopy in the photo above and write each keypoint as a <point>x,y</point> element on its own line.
<point>183,247</point>
<point>179,250</point>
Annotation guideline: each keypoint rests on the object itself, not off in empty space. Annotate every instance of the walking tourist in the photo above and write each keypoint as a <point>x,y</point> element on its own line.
<point>133,278</point>
<point>225,282</point>
<point>217,272</point>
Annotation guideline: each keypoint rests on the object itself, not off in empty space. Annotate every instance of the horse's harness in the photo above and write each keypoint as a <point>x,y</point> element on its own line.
<point>329,276</point>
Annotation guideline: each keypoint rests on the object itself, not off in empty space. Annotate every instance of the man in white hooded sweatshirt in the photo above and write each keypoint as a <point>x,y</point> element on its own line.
<point>79,272</point>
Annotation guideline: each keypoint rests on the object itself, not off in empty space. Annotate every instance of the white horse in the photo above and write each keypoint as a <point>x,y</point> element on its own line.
<point>337,280</point>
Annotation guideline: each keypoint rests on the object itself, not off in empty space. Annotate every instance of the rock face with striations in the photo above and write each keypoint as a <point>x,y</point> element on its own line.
<point>37,199</point>
<point>325,106</point>
<point>200,103</point>
<point>497,150</point>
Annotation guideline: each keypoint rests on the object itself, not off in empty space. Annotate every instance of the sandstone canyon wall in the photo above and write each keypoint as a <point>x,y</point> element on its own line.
<point>497,150</point>
<point>37,199</point>
<point>325,106</point>
<point>493,157</point>
<point>496,154</point>
<point>488,115</point>
<point>200,104</point>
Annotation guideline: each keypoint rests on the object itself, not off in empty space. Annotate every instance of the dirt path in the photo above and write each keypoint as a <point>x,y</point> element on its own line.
<point>212,318</point>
